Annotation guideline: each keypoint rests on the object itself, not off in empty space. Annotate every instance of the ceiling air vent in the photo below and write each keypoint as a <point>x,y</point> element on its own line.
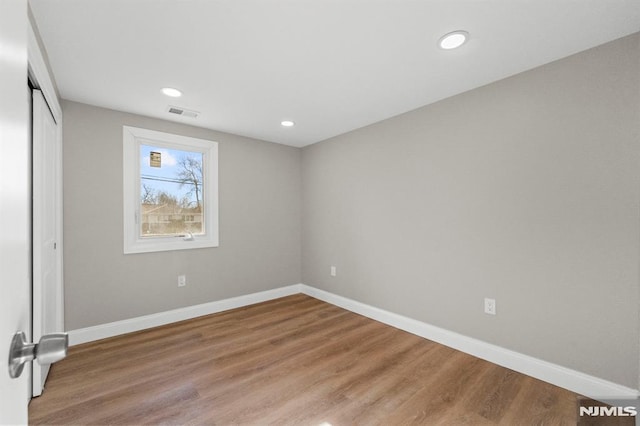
<point>183,112</point>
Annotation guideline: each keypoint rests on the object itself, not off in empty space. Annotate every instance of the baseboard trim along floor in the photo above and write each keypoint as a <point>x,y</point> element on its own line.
<point>567,378</point>
<point>103,331</point>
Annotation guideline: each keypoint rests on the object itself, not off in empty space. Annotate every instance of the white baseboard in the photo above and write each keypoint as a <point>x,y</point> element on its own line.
<point>117,328</point>
<point>567,378</point>
<point>575,381</point>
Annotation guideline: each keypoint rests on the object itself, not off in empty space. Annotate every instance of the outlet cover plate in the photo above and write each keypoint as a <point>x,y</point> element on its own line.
<point>489,306</point>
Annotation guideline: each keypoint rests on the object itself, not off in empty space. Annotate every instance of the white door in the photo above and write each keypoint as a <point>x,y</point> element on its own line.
<point>47,290</point>
<point>15,204</point>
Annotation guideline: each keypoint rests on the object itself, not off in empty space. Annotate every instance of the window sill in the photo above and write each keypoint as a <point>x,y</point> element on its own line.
<point>167,244</point>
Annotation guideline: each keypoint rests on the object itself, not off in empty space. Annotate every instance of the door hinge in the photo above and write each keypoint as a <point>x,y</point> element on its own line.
<point>55,246</point>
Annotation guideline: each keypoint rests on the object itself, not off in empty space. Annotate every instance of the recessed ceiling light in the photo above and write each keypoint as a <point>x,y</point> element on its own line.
<point>174,93</point>
<point>287,123</point>
<point>453,40</point>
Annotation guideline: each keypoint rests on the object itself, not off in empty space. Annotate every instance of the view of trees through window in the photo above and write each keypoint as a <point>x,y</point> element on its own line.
<point>171,192</point>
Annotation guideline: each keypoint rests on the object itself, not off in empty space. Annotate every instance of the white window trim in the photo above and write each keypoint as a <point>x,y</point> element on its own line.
<point>132,138</point>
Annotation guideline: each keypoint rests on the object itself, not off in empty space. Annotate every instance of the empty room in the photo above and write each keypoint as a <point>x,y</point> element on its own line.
<point>320,212</point>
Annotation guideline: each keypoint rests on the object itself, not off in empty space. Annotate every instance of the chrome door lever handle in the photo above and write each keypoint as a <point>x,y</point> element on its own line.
<point>51,348</point>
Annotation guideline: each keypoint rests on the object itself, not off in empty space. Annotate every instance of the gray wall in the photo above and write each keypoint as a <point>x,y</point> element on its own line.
<point>525,190</point>
<point>260,189</point>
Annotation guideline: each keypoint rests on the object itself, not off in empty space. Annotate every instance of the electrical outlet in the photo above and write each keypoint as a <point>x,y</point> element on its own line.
<point>182,280</point>
<point>334,271</point>
<point>489,306</point>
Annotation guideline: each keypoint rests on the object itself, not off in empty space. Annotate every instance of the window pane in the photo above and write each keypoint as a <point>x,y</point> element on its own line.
<point>171,192</point>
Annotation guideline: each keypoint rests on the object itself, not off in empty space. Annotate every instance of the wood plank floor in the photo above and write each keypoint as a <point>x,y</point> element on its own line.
<point>294,360</point>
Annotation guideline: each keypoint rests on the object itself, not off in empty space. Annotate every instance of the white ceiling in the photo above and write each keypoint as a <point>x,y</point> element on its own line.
<point>329,65</point>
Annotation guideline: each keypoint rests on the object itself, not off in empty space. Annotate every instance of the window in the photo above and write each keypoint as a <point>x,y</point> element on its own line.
<point>170,191</point>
